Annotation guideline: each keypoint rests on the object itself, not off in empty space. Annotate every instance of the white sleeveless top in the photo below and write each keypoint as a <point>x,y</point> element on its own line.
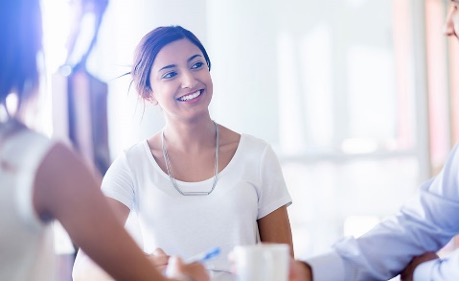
<point>26,243</point>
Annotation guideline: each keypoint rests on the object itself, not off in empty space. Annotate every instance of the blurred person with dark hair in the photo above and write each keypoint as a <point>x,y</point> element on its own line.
<point>406,243</point>
<point>42,180</point>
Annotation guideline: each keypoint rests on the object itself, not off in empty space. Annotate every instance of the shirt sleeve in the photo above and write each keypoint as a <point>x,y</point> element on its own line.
<point>425,223</point>
<point>444,269</point>
<point>327,266</point>
<point>118,182</point>
<point>273,192</point>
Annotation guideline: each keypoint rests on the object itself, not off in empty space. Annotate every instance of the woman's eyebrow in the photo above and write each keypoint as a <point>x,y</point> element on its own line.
<point>193,57</point>
<point>173,65</point>
<point>167,67</point>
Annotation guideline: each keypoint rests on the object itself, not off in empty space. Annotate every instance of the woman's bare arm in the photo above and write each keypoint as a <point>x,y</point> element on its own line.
<point>67,190</point>
<point>275,228</point>
<point>84,267</point>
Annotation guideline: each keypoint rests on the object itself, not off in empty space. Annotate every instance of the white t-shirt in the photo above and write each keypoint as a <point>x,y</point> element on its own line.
<point>250,187</point>
<point>26,244</point>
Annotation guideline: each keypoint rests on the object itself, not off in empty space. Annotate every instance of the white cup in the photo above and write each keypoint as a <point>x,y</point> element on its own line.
<point>262,262</point>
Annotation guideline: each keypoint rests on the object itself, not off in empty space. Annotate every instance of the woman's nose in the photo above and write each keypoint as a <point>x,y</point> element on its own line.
<point>187,80</point>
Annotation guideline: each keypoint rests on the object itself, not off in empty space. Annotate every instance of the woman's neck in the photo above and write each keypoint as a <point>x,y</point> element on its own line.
<point>191,137</point>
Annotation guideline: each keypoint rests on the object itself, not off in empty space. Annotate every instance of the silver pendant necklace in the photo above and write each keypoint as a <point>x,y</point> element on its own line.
<point>169,167</point>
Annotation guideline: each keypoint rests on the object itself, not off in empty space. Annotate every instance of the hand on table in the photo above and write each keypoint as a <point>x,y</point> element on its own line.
<point>159,259</point>
<point>408,272</point>
<point>177,269</point>
<point>299,271</point>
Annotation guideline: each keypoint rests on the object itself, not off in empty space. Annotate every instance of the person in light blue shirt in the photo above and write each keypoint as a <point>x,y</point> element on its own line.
<point>407,242</point>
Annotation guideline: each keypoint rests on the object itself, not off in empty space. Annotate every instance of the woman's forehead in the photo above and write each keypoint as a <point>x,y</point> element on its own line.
<point>179,50</point>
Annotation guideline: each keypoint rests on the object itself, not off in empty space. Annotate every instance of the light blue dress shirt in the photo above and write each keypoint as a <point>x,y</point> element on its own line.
<point>426,223</point>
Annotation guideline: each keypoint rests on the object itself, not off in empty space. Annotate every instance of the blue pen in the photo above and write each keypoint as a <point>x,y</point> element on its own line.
<point>201,257</point>
<point>205,256</point>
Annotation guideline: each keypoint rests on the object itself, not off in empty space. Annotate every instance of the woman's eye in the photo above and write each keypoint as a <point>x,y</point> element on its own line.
<point>169,75</point>
<point>197,65</point>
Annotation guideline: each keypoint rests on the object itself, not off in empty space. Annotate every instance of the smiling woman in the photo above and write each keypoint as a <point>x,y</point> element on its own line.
<point>218,187</point>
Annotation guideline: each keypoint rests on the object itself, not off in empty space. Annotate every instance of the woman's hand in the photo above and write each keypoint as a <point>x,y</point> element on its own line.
<point>299,271</point>
<point>408,272</point>
<point>178,270</point>
<point>159,259</point>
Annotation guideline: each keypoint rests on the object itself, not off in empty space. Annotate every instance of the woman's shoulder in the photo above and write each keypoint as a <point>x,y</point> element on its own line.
<point>136,148</point>
<point>252,141</point>
<point>248,146</point>
<point>133,154</point>
<point>27,142</point>
<point>230,137</point>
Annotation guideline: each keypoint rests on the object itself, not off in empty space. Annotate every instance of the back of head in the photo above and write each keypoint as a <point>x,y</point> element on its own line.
<point>20,43</point>
<point>149,47</point>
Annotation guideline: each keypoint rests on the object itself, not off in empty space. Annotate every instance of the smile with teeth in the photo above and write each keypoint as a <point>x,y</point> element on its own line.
<point>190,96</point>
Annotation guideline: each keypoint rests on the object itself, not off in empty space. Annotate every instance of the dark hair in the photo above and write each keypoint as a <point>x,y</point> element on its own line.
<point>149,47</point>
<point>20,44</point>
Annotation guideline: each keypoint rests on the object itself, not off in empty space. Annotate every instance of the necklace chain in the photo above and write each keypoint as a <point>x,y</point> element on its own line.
<point>169,166</point>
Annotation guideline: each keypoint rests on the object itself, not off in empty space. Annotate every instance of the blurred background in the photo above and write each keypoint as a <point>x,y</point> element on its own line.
<point>358,98</point>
